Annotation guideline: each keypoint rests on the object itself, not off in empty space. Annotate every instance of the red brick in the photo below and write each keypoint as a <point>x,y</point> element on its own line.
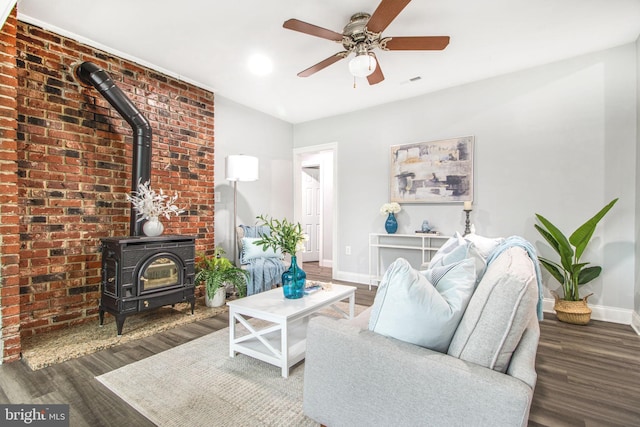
<point>64,157</point>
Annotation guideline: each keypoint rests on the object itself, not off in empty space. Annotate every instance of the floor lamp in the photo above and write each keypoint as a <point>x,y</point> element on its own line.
<point>239,168</point>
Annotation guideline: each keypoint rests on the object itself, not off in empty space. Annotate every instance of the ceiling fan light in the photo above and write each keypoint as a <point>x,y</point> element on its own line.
<point>362,65</point>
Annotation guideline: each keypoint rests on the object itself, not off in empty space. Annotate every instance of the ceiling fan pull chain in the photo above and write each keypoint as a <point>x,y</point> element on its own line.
<point>354,82</point>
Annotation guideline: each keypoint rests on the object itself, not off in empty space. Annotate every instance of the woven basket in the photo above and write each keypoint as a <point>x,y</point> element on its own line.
<point>574,312</point>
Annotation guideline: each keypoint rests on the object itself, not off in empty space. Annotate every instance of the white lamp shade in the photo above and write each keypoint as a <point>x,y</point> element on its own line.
<point>241,168</point>
<point>362,65</point>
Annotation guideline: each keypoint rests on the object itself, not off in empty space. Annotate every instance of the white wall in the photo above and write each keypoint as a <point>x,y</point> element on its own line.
<point>559,140</point>
<point>636,317</point>
<point>241,130</point>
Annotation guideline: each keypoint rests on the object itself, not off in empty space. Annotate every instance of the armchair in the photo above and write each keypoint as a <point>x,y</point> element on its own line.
<point>265,267</point>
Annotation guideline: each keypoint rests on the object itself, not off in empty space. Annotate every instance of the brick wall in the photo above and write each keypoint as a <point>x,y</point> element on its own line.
<point>74,169</point>
<point>9,240</point>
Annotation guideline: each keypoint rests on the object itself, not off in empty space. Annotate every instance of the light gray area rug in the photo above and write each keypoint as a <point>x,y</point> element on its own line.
<point>198,384</point>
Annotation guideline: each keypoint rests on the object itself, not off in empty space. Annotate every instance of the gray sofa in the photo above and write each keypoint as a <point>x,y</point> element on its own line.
<point>355,377</point>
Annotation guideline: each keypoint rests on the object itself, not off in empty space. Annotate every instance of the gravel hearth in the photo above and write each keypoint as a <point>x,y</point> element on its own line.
<point>46,349</point>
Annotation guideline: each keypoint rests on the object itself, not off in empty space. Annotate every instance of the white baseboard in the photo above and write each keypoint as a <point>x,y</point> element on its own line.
<point>328,263</point>
<point>635,322</point>
<point>604,313</point>
<point>598,312</point>
<point>352,277</point>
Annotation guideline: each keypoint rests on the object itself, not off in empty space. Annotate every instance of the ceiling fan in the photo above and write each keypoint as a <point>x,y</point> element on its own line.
<point>362,35</point>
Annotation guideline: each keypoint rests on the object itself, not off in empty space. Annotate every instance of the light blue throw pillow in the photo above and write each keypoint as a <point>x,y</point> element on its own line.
<point>252,251</point>
<point>410,308</point>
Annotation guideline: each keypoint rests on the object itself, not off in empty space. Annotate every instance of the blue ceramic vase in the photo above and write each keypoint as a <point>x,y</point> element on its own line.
<point>391,224</point>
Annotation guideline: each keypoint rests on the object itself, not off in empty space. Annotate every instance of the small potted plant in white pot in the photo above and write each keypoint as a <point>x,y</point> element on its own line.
<point>215,272</point>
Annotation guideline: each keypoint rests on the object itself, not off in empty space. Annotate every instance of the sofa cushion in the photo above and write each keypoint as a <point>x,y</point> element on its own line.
<point>410,308</point>
<point>252,251</point>
<point>497,315</point>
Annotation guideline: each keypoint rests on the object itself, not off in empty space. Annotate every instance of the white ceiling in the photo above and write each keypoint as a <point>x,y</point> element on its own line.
<point>208,42</point>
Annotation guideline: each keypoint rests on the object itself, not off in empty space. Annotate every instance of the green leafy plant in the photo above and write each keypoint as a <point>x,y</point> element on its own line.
<point>570,272</point>
<point>216,270</point>
<point>284,235</point>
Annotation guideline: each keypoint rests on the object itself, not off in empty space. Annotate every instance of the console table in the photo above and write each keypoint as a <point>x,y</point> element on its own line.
<point>425,243</point>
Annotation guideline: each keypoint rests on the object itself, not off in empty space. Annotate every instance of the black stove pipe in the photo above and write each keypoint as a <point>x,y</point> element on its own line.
<point>90,74</point>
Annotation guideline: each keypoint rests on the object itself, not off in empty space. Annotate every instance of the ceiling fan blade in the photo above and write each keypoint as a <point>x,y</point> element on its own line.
<point>415,43</point>
<point>377,76</point>
<point>323,64</point>
<point>314,30</point>
<point>385,13</point>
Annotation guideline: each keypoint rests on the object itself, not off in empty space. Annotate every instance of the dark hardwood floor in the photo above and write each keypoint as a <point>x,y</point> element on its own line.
<point>587,375</point>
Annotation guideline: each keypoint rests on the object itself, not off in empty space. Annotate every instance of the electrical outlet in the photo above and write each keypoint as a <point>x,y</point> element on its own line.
<point>216,197</point>
<point>347,250</point>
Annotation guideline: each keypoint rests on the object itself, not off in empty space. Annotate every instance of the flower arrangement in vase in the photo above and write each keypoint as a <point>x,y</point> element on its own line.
<point>150,205</point>
<point>289,239</point>
<point>390,209</point>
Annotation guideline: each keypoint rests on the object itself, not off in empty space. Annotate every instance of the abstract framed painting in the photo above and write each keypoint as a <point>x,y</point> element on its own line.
<point>432,172</point>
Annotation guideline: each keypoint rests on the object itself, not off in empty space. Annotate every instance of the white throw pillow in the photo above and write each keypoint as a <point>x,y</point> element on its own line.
<point>484,245</point>
<point>252,251</point>
<point>480,248</point>
<point>410,308</point>
<point>453,250</point>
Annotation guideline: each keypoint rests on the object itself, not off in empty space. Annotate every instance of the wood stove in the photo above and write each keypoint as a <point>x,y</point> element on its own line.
<point>141,273</point>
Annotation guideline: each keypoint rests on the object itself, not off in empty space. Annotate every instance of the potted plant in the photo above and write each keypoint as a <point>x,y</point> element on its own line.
<point>288,238</point>
<point>215,272</point>
<point>571,272</point>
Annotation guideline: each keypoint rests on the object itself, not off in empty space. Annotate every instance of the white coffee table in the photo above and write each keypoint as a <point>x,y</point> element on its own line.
<point>283,342</point>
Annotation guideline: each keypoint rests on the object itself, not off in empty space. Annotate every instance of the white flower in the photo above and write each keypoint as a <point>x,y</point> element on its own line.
<point>148,203</point>
<point>388,208</point>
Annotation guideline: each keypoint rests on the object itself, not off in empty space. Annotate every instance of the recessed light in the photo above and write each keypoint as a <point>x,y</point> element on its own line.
<point>260,64</point>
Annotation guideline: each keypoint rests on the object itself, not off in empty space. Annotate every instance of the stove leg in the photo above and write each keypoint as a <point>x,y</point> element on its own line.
<point>193,305</point>
<point>101,317</point>
<point>120,323</point>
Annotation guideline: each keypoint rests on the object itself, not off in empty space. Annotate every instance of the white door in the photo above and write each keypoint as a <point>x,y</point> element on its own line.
<point>311,213</point>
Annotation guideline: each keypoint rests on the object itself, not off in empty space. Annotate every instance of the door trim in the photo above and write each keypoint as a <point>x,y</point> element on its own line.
<point>297,192</point>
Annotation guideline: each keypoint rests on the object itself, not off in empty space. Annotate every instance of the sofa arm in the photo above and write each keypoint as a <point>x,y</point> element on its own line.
<point>356,377</point>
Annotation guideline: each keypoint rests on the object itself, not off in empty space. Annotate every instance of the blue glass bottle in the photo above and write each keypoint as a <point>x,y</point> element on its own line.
<point>293,280</point>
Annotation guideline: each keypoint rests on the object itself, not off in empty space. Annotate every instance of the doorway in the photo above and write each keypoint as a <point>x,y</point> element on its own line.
<point>315,202</point>
<point>311,212</point>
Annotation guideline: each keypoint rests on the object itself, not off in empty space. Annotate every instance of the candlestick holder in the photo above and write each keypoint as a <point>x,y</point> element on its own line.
<point>467,223</point>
